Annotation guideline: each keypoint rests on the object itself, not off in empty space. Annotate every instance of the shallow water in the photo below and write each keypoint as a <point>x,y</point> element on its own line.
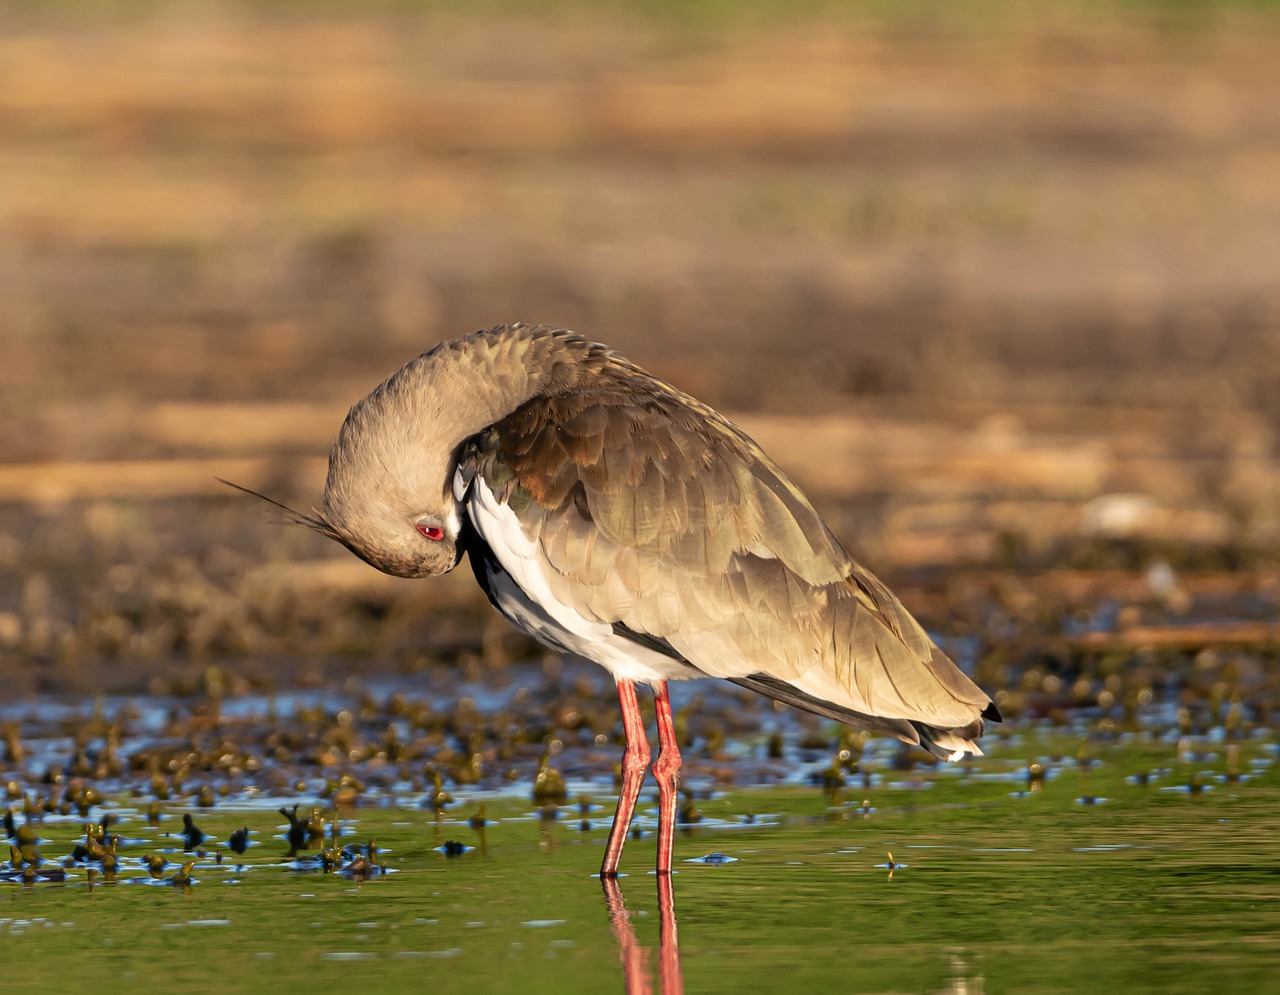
<point>993,887</point>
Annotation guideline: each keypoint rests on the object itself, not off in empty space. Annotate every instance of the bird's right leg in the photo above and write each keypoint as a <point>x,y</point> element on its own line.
<point>666,771</point>
<point>635,761</point>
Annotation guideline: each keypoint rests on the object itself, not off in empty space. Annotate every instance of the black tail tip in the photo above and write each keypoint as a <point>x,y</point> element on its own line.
<point>992,713</point>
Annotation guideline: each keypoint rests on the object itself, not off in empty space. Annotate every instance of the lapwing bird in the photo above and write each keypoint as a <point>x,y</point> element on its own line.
<point>611,516</point>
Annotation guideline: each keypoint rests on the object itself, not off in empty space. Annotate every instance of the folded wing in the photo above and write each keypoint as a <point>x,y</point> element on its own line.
<point>652,513</point>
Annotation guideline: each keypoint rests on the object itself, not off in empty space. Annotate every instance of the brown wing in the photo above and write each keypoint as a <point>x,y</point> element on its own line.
<point>654,513</point>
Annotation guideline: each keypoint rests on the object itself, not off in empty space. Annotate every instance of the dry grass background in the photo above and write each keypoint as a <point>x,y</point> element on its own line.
<point>1002,290</point>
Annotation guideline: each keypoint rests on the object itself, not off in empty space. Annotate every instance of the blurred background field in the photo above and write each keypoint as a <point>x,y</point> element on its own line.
<point>998,283</point>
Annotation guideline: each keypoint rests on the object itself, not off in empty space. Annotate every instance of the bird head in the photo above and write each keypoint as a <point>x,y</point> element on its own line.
<point>389,495</point>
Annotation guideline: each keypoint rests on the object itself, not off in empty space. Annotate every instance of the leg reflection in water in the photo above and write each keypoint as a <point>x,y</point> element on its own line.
<point>635,958</point>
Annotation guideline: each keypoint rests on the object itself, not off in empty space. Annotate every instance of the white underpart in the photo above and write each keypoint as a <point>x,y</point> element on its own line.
<point>524,595</point>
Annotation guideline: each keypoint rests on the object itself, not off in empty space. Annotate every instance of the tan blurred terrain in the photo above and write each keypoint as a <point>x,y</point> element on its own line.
<point>1004,295</point>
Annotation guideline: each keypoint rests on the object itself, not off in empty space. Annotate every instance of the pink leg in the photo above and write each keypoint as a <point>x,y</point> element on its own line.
<point>666,771</point>
<point>635,760</point>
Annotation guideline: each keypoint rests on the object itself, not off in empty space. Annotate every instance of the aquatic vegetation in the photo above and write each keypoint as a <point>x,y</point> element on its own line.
<point>397,882</point>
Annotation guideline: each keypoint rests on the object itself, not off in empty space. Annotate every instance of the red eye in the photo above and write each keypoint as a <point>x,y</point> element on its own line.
<point>432,532</point>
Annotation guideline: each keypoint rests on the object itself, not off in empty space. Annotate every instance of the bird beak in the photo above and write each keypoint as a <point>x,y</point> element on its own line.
<point>315,521</point>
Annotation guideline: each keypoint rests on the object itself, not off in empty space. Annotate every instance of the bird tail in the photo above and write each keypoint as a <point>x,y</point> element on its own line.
<point>953,744</point>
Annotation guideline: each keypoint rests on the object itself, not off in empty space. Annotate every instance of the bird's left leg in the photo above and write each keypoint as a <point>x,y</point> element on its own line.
<point>666,771</point>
